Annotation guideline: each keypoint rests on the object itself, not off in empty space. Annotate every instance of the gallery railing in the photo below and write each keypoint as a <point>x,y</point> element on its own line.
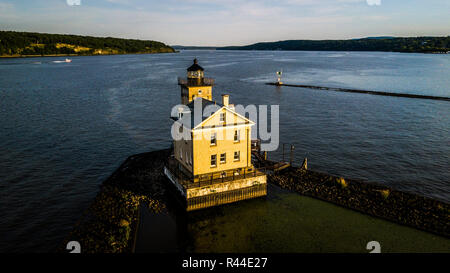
<point>196,82</point>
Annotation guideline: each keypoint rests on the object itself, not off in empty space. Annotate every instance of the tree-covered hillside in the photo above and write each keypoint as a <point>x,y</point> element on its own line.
<point>39,44</point>
<point>413,44</point>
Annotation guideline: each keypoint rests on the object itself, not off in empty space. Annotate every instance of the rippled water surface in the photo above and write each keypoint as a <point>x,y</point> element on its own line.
<point>66,126</point>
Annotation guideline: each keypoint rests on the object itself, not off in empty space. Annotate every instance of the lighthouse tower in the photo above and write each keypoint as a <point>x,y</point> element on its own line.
<point>196,85</point>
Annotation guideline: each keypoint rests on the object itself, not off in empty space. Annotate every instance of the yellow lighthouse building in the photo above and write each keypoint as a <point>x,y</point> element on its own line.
<point>211,163</point>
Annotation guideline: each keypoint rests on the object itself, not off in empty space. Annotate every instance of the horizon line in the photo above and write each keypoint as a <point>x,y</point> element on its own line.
<point>216,46</point>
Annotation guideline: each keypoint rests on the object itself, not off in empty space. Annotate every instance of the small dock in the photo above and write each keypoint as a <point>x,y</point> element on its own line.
<point>259,158</point>
<point>378,93</point>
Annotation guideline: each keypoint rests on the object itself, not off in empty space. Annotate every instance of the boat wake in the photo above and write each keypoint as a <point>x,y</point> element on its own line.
<point>65,61</point>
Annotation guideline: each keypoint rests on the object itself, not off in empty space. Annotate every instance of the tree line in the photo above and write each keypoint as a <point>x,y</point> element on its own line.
<point>411,44</point>
<point>29,43</point>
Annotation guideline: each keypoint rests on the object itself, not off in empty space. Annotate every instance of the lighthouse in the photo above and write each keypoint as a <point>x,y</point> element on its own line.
<point>195,85</point>
<point>211,162</point>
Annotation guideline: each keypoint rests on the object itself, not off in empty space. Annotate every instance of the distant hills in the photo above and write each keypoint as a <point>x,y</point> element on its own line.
<point>383,43</point>
<point>25,44</point>
<point>390,44</point>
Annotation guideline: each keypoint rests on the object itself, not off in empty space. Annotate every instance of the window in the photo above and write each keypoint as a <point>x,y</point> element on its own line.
<point>237,136</point>
<point>223,158</point>
<point>213,139</point>
<point>213,160</point>
<point>222,117</point>
<point>237,156</point>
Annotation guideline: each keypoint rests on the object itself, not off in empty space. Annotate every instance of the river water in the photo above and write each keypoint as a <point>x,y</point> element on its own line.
<point>65,127</point>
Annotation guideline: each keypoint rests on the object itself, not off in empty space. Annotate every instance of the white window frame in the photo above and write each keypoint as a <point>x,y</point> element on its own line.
<point>237,135</point>
<point>215,160</point>
<point>225,158</point>
<point>213,136</point>
<point>238,153</point>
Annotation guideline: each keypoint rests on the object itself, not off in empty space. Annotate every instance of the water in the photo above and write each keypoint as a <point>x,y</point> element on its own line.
<point>281,222</point>
<point>65,127</point>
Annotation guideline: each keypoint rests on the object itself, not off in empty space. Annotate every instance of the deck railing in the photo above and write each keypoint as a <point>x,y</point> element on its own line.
<point>256,145</point>
<point>188,181</point>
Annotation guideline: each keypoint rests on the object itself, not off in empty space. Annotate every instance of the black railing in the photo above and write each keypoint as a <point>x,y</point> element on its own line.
<point>183,176</point>
<point>188,181</point>
<point>195,82</point>
<point>256,145</point>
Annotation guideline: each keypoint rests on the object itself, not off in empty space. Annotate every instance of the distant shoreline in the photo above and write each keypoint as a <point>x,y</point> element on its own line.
<point>76,55</point>
<point>31,44</point>
<point>178,51</point>
<point>425,44</point>
<point>199,49</point>
<point>300,50</point>
<point>380,44</point>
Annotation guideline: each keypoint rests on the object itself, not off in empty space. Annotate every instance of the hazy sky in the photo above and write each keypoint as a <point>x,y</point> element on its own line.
<point>228,22</point>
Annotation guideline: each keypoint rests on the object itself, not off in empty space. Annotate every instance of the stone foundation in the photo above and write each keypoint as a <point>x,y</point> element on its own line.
<point>225,197</point>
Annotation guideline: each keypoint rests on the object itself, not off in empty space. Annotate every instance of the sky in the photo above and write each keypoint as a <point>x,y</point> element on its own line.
<point>228,22</point>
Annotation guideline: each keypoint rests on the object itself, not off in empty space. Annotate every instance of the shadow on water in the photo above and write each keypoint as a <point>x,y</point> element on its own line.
<point>170,230</point>
<point>162,232</point>
<point>161,237</point>
<point>281,222</point>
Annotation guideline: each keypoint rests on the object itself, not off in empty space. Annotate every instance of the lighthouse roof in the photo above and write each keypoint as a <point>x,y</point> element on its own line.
<point>189,120</point>
<point>195,66</point>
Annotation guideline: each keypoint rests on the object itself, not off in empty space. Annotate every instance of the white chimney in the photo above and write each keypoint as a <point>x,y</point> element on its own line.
<point>225,100</point>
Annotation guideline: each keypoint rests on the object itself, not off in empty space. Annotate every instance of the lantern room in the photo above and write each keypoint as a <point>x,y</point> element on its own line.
<point>196,85</point>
